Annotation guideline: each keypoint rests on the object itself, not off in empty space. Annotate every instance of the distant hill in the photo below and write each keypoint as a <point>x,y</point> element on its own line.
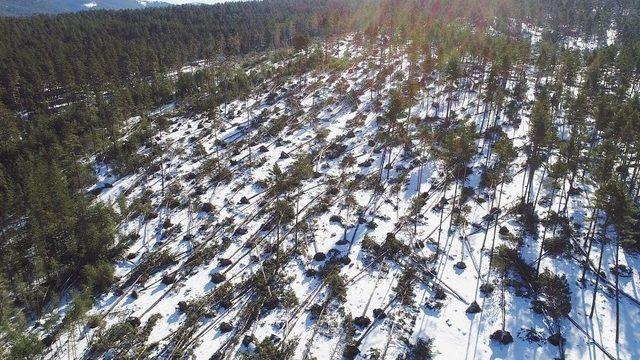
<point>32,7</point>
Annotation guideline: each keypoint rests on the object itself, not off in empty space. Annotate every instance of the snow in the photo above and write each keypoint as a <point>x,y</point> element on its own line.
<point>456,334</point>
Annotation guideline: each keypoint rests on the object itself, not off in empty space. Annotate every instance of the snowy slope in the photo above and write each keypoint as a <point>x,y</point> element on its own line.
<point>229,237</point>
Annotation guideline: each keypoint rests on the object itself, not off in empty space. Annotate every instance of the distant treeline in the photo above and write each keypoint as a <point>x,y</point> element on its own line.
<point>72,51</point>
<point>42,54</point>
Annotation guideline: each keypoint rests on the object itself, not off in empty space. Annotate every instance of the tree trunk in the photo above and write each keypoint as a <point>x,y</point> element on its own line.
<point>595,290</point>
<point>382,160</point>
<point>344,237</point>
<point>418,187</point>
<point>544,234</point>
<point>440,224</point>
<point>617,289</point>
<point>453,205</point>
<point>566,203</point>
<point>544,173</point>
<point>532,172</point>
<point>590,235</point>
<point>389,163</point>
<point>296,219</point>
<point>495,227</point>
<point>503,302</point>
<point>486,230</point>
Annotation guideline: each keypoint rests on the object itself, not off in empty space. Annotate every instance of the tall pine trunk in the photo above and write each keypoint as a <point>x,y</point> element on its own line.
<point>590,235</point>
<point>595,290</point>
<point>617,289</point>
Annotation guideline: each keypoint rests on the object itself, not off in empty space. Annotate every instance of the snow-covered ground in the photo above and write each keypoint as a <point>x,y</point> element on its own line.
<point>316,105</point>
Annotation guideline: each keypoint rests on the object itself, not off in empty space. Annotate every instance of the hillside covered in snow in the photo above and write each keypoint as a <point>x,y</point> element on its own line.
<point>364,209</point>
<point>408,189</point>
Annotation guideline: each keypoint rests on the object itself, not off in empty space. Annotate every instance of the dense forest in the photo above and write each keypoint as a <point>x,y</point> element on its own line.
<point>74,52</point>
<point>47,56</point>
<point>69,83</point>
